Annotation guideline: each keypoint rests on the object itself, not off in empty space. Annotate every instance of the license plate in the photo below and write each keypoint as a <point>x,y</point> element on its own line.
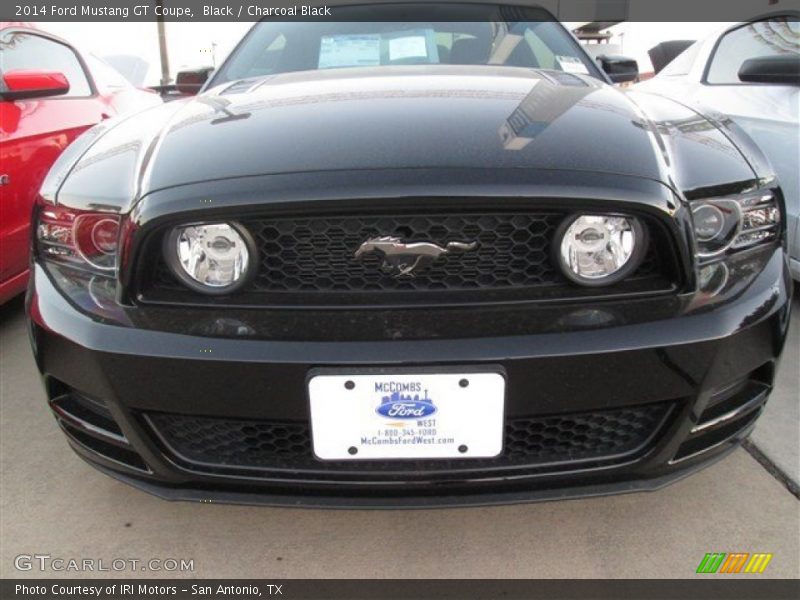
<point>407,415</point>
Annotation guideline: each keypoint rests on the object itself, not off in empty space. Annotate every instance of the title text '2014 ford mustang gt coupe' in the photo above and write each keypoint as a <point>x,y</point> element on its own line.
<point>409,263</point>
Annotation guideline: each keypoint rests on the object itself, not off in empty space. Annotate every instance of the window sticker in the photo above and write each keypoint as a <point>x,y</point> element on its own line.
<point>571,64</point>
<point>415,46</point>
<point>350,51</point>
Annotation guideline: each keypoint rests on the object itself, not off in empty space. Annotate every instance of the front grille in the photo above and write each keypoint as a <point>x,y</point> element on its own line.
<point>317,254</point>
<point>606,435</point>
<point>310,260</point>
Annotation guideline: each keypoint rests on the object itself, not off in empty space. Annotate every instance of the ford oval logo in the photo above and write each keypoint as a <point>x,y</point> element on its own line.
<point>406,410</point>
<point>399,406</point>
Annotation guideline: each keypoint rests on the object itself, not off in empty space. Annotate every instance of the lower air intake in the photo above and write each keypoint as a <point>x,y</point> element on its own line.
<point>605,435</point>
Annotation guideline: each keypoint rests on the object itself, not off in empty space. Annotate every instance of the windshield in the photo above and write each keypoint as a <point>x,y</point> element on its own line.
<point>484,35</point>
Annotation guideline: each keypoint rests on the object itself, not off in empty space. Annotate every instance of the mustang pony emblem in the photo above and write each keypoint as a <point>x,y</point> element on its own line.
<point>403,259</point>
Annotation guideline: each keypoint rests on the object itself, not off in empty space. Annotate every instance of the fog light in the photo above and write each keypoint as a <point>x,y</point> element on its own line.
<point>596,250</point>
<point>213,258</point>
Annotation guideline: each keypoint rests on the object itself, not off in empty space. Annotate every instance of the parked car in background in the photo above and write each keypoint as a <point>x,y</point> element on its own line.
<point>750,73</point>
<point>49,94</point>
<point>664,53</point>
<point>187,83</point>
<point>133,68</point>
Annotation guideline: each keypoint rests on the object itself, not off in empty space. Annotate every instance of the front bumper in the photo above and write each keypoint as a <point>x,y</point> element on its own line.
<point>709,366</point>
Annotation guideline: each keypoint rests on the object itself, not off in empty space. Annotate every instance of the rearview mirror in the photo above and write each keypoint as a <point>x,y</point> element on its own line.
<point>191,81</point>
<point>783,70</point>
<point>25,84</point>
<point>619,68</point>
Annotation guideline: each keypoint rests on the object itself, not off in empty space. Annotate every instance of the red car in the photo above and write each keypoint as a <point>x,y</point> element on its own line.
<point>49,94</point>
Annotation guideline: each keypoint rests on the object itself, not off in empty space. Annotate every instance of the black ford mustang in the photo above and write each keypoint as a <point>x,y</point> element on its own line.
<point>392,263</point>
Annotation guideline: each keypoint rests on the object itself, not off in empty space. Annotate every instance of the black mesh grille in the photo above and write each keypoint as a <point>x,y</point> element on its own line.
<point>318,254</point>
<point>312,260</point>
<point>596,435</point>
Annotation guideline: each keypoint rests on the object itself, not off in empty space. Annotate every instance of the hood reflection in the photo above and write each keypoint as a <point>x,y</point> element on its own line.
<point>220,105</point>
<point>545,103</point>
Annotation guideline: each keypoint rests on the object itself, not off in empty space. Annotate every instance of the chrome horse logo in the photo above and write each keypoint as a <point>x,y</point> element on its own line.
<point>403,259</point>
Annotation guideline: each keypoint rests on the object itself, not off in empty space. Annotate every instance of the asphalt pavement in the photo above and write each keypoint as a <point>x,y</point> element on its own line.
<point>51,503</point>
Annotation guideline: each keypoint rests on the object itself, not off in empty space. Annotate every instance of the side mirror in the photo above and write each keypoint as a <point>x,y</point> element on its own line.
<point>189,82</point>
<point>664,53</point>
<point>619,68</point>
<point>782,70</point>
<point>24,84</point>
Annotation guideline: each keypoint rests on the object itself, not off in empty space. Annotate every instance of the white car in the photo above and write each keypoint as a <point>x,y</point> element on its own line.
<point>765,101</point>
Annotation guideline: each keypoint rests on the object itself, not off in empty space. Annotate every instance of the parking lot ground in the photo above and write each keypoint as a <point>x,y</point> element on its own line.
<point>777,434</point>
<point>52,503</point>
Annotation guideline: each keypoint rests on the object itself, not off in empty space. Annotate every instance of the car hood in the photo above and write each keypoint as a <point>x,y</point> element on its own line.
<point>402,118</point>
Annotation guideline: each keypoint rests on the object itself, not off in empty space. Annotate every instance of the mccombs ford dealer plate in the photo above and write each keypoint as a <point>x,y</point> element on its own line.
<point>396,416</point>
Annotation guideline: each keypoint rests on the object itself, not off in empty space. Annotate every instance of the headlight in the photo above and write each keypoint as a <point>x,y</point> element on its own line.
<point>79,238</point>
<point>595,250</point>
<point>212,258</point>
<point>722,224</point>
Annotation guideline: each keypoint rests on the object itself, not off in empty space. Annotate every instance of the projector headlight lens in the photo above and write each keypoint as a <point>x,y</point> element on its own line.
<point>709,222</point>
<point>716,225</point>
<point>722,224</point>
<point>596,250</point>
<point>212,258</point>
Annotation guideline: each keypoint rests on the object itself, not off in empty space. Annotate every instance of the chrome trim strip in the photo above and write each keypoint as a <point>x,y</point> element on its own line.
<point>745,408</point>
<point>739,434</point>
<point>89,428</point>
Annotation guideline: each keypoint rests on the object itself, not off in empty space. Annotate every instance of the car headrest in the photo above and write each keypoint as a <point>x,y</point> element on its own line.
<point>472,51</point>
